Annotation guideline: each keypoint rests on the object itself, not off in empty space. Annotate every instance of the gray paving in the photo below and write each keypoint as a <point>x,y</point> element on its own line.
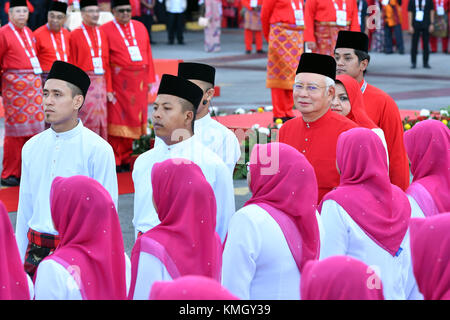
<point>242,81</point>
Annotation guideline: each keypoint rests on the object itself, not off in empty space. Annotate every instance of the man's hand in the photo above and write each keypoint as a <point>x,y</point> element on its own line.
<point>411,29</point>
<point>110,96</point>
<point>311,45</point>
<point>431,28</point>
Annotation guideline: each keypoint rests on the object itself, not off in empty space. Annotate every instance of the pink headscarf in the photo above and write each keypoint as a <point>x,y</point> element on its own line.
<point>340,278</point>
<point>428,148</point>
<point>358,111</point>
<point>91,246</point>
<point>430,252</point>
<point>284,184</point>
<point>185,241</point>
<point>190,288</point>
<point>13,280</point>
<point>365,192</point>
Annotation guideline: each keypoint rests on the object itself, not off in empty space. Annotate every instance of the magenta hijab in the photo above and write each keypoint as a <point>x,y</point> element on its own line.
<point>91,246</point>
<point>13,279</point>
<point>428,148</point>
<point>190,288</point>
<point>185,241</point>
<point>380,208</point>
<point>284,184</point>
<point>340,278</point>
<point>430,252</point>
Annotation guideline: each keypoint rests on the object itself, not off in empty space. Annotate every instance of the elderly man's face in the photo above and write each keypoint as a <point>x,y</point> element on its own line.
<point>122,13</point>
<point>18,16</point>
<point>90,15</point>
<point>56,20</point>
<point>311,95</point>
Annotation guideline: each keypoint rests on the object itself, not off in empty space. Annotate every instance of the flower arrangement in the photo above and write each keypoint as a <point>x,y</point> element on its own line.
<point>441,115</point>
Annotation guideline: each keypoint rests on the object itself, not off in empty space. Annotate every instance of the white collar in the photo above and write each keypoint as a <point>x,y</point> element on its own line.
<point>202,121</point>
<point>68,134</point>
<point>179,145</point>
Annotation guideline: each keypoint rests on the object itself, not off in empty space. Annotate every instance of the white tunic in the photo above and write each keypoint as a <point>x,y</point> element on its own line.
<point>54,282</point>
<point>150,269</point>
<point>218,138</point>
<point>257,262</point>
<point>213,168</point>
<point>380,134</point>
<point>343,236</point>
<point>50,154</point>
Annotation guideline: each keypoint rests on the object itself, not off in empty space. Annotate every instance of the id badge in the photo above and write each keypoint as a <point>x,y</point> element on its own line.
<point>419,15</point>
<point>253,3</point>
<point>135,54</point>
<point>98,65</point>
<point>384,2</point>
<point>299,21</point>
<point>440,11</point>
<point>341,18</point>
<point>36,65</point>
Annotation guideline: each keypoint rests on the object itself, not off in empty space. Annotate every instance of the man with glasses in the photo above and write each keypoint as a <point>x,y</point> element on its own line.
<point>133,73</point>
<point>52,40</point>
<point>89,50</point>
<point>315,133</point>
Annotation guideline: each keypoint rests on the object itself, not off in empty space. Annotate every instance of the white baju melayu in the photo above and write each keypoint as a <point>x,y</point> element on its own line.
<point>380,134</point>
<point>213,168</point>
<point>257,263</point>
<point>50,154</point>
<point>54,282</point>
<point>150,269</point>
<point>218,138</point>
<point>343,236</point>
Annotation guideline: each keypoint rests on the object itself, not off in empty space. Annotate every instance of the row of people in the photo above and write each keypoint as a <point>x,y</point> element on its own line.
<point>117,56</point>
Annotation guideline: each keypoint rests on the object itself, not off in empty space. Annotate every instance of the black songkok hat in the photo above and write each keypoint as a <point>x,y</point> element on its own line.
<point>17,3</point>
<point>353,40</point>
<point>68,72</point>
<point>317,63</point>
<point>58,6</point>
<point>115,3</point>
<point>182,88</point>
<point>197,71</point>
<point>87,3</point>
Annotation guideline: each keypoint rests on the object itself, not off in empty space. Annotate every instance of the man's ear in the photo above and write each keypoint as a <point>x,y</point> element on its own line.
<point>364,64</point>
<point>78,101</point>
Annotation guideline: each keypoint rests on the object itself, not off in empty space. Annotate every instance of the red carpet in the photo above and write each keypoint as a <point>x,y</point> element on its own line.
<point>10,196</point>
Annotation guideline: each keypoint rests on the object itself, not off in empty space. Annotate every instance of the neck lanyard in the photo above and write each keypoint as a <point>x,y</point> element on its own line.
<point>88,39</point>
<point>123,35</point>
<point>63,44</point>
<point>21,42</point>
<point>344,6</point>
<point>364,86</point>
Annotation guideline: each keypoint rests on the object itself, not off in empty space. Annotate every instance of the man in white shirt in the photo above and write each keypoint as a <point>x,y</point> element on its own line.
<point>66,149</point>
<point>175,19</point>
<point>173,119</point>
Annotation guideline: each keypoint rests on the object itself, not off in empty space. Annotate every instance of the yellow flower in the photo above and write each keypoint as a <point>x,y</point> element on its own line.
<point>445,121</point>
<point>260,109</point>
<point>151,126</point>
<point>278,121</point>
<point>407,126</point>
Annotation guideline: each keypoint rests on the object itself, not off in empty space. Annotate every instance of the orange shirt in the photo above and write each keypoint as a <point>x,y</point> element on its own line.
<point>12,54</point>
<point>317,141</point>
<point>45,49</point>
<point>383,110</point>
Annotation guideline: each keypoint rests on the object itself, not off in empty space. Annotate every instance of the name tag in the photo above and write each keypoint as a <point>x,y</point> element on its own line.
<point>419,15</point>
<point>253,3</point>
<point>135,54</point>
<point>341,18</point>
<point>440,11</point>
<point>98,65</point>
<point>384,2</point>
<point>36,65</point>
<point>299,21</point>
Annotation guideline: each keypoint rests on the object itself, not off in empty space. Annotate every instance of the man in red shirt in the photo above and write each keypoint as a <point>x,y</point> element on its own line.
<point>315,133</point>
<point>21,89</point>
<point>352,58</point>
<point>132,75</point>
<point>52,40</point>
<point>89,51</point>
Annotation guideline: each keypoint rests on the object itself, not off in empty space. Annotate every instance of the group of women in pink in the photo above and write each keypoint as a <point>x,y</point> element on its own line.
<point>366,240</point>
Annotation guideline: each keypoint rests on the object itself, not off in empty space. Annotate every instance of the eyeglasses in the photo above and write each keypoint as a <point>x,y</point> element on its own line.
<point>311,88</point>
<point>124,10</point>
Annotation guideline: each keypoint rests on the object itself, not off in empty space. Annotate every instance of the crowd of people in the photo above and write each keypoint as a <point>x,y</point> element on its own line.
<point>332,215</point>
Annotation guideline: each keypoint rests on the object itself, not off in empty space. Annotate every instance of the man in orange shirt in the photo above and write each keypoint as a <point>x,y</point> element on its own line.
<point>315,133</point>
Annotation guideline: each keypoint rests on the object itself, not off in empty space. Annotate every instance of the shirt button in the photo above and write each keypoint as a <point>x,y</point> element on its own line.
<point>306,139</point>
<point>304,151</point>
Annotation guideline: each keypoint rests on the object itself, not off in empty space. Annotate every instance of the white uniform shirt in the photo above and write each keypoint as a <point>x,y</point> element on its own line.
<point>213,168</point>
<point>218,138</point>
<point>49,154</point>
<point>343,236</point>
<point>54,282</point>
<point>175,6</point>
<point>257,263</point>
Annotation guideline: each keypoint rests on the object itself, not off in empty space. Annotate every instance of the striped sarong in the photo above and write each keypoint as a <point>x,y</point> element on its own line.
<point>40,245</point>
<point>93,113</point>
<point>22,99</point>
<point>326,34</point>
<point>285,49</point>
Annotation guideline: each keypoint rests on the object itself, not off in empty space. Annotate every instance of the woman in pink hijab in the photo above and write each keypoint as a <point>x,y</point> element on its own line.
<point>89,262</point>
<point>366,217</point>
<point>14,282</point>
<point>190,288</point>
<point>340,278</point>
<point>430,250</point>
<point>276,232</point>
<point>428,148</point>
<point>185,242</point>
